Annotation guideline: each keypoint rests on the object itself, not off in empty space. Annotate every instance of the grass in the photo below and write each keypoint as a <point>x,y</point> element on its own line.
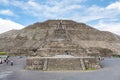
<point>117,56</point>
<point>3,53</point>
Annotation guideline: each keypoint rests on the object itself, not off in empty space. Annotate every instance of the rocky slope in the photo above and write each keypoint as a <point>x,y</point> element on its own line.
<point>57,36</point>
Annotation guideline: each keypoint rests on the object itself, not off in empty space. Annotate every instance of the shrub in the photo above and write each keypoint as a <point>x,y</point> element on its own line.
<point>3,53</point>
<point>117,56</point>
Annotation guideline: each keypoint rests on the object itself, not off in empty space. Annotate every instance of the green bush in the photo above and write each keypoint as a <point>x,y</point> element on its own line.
<point>117,56</point>
<point>3,53</point>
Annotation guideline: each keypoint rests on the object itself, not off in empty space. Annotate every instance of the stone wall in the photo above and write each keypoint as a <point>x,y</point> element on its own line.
<point>53,63</point>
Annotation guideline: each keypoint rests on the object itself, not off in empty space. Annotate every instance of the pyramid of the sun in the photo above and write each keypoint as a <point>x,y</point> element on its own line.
<point>54,37</point>
<point>60,45</point>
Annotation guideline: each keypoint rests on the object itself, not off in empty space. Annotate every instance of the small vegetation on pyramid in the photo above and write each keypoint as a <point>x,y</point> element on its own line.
<point>116,56</point>
<point>3,53</point>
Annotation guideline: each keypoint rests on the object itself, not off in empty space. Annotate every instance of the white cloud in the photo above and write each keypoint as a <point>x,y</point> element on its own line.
<point>107,18</point>
<point>4,2</point>
<point>6,25</point>
<point>7,12</point>
<point>50,9</point>
<point>98,13</point>
<point>106,26</point>
<point>115,5</point>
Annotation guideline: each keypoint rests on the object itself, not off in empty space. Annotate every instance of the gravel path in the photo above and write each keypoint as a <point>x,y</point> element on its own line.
<point>110,71</point>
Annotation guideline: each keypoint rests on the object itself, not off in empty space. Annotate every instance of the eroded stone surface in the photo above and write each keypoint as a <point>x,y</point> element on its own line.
<point>53,37</point>
<point>63,63</point>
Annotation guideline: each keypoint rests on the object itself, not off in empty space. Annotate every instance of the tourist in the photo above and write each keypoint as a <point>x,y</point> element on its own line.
<point>7,60</point>
<point>66,52</point>
<point>0,60</point>
<point>11,63</point>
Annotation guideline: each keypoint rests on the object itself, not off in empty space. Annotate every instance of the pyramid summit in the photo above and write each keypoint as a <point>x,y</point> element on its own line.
<point>54,37</point>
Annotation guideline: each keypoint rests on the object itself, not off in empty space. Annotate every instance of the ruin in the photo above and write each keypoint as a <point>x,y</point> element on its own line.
<point>59,53</point>
<point>63,62</point>
<point>60,45</point>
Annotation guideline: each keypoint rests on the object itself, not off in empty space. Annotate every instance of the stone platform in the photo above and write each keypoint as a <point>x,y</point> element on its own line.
<point>63,62</point>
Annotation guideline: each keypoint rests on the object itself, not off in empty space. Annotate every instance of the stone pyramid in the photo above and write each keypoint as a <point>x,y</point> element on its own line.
<point>58,37</point>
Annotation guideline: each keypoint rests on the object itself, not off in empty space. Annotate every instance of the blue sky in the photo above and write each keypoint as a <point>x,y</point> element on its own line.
<point>101,14</point>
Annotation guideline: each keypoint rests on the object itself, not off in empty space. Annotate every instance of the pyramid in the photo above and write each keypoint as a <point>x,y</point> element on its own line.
<point>58,37</point>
